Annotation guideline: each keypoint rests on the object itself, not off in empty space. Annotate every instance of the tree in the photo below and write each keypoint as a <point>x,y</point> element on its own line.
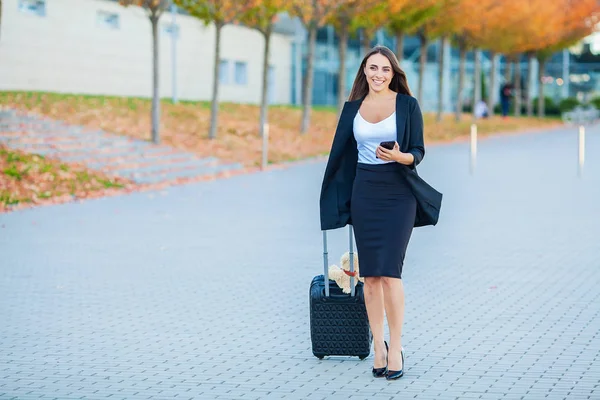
<point>261,15</point>
<point>343,20</point>
<point>516,27</point>
<point>526,17</point>
<point>314,15</point>
<point>441,57</point>
<point>155,9</point>
<point>414,21</point>
<point>404,17</point>
<point>530,21</point>
<point>409,18</point>
<point>469,18</point>
<point>502,30</point>
<point>528,101</point>
<point>491,93</point>
<point>398,17</point>
<point>463,47</point>
<point>221,13</point>
<point>372,17</point>
<point>556,26</point>
<point>445,20</point>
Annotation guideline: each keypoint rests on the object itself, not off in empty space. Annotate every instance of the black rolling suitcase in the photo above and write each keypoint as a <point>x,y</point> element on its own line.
<point>338,321</point>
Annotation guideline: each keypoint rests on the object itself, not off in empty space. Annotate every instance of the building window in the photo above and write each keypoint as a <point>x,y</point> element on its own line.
<point>171,29</point>
<point>36,7</point>
<point>241,73</point>
<point>224,72</point>
<point>108,20</point>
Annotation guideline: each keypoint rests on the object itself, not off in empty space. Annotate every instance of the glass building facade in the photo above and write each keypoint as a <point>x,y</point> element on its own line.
<point>326,65</point>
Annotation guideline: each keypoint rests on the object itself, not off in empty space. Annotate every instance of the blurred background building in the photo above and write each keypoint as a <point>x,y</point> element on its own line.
<point>100,47</point>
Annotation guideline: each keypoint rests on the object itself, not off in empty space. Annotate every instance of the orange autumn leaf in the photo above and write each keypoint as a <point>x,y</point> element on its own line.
<point>217,11</point>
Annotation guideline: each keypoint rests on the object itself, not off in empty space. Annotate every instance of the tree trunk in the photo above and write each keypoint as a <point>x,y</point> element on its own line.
<point>507,74</point>
<point>518,99</point>
<point>528,98</point>
<point>541,99</point>
<point>517,63</point>
<point>422,62</point>
<point>307,86</point>
<point>441,79</point>
<point>265,82</point>
<point>214,108</point>
<point>400,46</point>
<point>343,46</point>
<point>366,42</point>
<point>492,91</point>
<point>155,92</point>
<point>461,81</point>
<point>477,80</point>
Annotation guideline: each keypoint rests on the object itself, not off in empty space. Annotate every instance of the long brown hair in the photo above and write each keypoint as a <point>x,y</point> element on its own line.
<point>399,84</point>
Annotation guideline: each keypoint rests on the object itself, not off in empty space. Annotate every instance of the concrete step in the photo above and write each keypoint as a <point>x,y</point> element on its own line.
<point>31,126</point>
<point>60,132</point>
<point>143,158</point>
<point>25,115</point>
<point>81,154</point>
<point>135,159</point>
<point>165,168</point>
<point>55,149</point>
<point>80,157</point>
<point>13,137</point>
<point>7,113</point>
<point>14,117</point>
<point>65,141</point>
<point>190,173</point>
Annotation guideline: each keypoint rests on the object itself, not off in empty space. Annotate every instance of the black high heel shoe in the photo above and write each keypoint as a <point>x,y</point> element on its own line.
<point>393,375</point>
<point>381,372</point>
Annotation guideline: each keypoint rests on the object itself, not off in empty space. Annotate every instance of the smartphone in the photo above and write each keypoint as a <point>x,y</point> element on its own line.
<point>388,145</point>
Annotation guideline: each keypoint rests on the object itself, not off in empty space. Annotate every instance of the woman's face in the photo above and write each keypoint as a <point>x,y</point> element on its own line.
<point>379,72</point>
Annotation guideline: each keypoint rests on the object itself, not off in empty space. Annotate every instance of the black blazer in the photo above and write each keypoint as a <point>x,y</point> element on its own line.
<point>336,190</point>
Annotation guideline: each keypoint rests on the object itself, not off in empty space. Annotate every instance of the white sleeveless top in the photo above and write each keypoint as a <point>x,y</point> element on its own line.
<point>369,135</point>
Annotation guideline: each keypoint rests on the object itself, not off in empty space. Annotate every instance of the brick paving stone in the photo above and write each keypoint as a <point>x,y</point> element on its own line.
<point>513,396</point>
<point>202,291</point>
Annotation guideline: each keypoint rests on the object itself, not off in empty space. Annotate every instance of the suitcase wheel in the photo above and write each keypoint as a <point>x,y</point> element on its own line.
<point>320,357</point>
<point>362,357</point>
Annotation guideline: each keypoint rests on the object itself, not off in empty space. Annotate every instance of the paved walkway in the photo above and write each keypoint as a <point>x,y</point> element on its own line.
<point>201,291</point>
<point>138,160</point>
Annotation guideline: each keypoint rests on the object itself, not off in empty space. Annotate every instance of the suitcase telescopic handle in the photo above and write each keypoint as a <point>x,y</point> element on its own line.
<point>326,261</point>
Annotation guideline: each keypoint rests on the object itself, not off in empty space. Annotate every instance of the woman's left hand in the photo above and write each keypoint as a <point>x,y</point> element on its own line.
<point>389,155</point>
<point>394,155</point>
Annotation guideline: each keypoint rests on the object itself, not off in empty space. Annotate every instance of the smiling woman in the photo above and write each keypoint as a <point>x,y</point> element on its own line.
<point>379,71</point>
<point>378,141</point>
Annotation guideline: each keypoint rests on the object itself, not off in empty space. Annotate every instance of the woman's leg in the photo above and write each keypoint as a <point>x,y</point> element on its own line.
<point>393,293</point>
<point>375,309</point>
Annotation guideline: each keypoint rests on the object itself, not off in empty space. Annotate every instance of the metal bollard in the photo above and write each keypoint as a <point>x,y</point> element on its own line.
<point>473,147</point>
<point>265,147</point>
<point>581,156</point>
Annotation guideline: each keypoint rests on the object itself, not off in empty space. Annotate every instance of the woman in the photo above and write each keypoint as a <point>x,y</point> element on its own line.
<point>365,185</point>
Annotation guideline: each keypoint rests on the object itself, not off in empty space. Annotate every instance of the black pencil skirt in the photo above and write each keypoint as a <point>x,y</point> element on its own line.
<point>383,211</point>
